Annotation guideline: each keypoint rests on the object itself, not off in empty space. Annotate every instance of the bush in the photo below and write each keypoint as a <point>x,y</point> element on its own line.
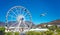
<point>2,30</point>
<point>34,33</point>
<point>58,30</point>
<point>49,33</point>
<point>58,33</point>
<point>39,33</point>
<point>9,33</point>
<point>16,33</point>
<point>29,33</point>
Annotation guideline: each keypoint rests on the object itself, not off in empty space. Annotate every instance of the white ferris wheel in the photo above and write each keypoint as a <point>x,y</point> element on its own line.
<point>20,15</point>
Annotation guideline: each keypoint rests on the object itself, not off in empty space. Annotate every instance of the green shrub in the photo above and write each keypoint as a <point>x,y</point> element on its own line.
<point>34,33</point>
<point>9,33</point>
<point>16,33</point>
<point>49,33</point>
<point>58,30</point>
<point>39,33</point>
<point>58,33</point>
<point>29,33</point>
<point>2,30</point>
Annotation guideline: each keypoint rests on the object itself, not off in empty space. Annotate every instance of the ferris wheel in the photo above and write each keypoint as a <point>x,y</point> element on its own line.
<point>20,15</point>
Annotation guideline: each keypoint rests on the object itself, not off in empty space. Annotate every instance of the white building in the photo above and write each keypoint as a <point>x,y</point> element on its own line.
<point>41,29</point>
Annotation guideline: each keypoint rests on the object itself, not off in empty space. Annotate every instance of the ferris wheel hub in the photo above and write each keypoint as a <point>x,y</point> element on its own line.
<point>20,18</point>
<point>21,15</point>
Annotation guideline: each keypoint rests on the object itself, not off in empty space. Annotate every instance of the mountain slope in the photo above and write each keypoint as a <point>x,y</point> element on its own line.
<point>55,22</point>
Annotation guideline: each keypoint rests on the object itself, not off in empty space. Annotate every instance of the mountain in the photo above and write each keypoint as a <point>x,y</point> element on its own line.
<point>2,24</point>
<point>14,23</point>
<point>55,22</point>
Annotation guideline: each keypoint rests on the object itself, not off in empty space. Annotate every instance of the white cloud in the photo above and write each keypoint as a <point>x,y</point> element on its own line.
<point>43,14</point>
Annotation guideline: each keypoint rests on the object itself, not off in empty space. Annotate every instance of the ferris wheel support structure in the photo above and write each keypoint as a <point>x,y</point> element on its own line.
<point>20,15</point>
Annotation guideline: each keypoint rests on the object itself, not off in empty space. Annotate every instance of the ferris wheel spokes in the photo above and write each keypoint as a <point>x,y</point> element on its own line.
<point>12,16</point>
<point>20,15</point>
<point>14,13</point>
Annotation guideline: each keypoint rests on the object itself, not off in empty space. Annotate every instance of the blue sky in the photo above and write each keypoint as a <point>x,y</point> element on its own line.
<point>36,8</point>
